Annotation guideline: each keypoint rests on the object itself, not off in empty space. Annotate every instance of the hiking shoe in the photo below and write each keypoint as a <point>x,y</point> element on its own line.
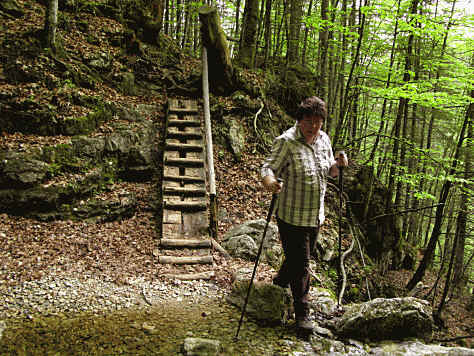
<point>278,282</point>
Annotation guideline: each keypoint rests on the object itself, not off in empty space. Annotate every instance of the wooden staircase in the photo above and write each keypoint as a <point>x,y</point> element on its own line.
<point>185,229</point>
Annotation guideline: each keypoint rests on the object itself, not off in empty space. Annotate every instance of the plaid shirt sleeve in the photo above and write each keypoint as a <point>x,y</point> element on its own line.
<point>275,162</point>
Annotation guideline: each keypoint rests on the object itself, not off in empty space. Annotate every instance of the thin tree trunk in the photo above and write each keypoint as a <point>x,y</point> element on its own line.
<point>51,24</point>
<point>167,17</point>
<point>427,257</point>
<point>296,11</point>
<point>268,32</point>
<point>465,209</point>
<point>323,51</point>
<point>305,43</point>
<point>355,62</point>
<point>248,36</point>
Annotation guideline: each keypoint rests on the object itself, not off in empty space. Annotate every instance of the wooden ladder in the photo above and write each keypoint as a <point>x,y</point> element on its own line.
<point>185,230</point>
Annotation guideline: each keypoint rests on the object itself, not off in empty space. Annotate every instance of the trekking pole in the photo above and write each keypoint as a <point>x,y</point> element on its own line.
<point>269,216</point>
<point>341,170</point>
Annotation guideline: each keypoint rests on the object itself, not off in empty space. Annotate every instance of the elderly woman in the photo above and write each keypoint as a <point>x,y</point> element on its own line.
<point>302,157</point>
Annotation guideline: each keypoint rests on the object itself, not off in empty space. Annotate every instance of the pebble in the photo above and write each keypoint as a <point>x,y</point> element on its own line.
<point>53,295</point>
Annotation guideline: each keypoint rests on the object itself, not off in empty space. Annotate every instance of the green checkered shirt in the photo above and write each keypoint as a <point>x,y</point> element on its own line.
<point>304,169</point>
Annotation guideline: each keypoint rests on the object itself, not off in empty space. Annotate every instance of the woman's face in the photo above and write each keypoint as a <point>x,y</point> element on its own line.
<point>310,126</point>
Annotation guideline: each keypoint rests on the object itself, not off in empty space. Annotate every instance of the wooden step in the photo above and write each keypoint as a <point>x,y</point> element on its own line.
<point>166,243</point>
<point>183,123</point>
<point>184,162</point>
<point>183,179</point>
<point>187,192</point>
<point>181,135</point>
<point>185,260</point>
<point>185,147</point>
<point>184,205</point>
<point>191,276</point>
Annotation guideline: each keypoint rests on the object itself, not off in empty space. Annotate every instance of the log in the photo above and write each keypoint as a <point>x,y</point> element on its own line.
<point>219,248</point>
<point>191,276</point>
<point>214,39</point>
<point>184,179</point>
<point>184,162</point>
<point>184,205</point>
<point>184,243</point>
<point>185,260</point>
<point>188,192</point>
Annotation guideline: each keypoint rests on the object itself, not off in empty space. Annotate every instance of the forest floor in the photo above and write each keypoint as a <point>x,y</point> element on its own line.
<point>121,251</point>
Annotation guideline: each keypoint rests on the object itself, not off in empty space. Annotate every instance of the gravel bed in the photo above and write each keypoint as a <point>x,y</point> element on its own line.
<point>74,294</point>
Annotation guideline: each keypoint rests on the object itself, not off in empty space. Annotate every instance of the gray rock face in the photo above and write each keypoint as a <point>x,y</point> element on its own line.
<point>384,319</point>
<point>194,346</point>
<point>19,169</point>
<point>416,348</point>
<point>267,303</point>
<point>323,301</point>
<point>244,240</point>
<point>236,138</point>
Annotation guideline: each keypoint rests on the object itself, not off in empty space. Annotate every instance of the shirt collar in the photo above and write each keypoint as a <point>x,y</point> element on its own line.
<point>300,137</point>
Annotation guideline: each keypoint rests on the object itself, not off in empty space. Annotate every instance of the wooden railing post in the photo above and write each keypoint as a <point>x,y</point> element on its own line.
<point>209,149</point>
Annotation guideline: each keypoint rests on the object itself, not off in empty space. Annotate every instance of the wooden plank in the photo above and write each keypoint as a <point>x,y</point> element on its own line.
<point>184,243</point>
<point>171,230</point>
<point>172,217</point>
<point>183,179</point>
<point>195,224</point>
<point>191,276</point>
<point>185,205</point>
<point>186,147</point>
<point>185,260</point>
<point>184,191</point>
<point>182,135</point>
<point>183,162</point>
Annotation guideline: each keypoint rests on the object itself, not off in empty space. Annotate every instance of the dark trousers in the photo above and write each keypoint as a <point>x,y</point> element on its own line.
<point>298,243</point>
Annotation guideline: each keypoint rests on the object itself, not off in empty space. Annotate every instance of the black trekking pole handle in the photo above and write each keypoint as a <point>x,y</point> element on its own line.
<point>269,216</point>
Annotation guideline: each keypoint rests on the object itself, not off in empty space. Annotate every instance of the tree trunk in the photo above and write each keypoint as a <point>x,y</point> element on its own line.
<point>214,39</point>
<point>237,20</point>
<point>342,114</point>
<point>51,24</point>
<point>428,256</point>
<point>464,206</point>
<point>296,11</point>
<point>167,17</point>
<point>248,35</point>
<point>323,51</point>
<point>178,19</point>
<point>305,41</point>
<point>268,31</point>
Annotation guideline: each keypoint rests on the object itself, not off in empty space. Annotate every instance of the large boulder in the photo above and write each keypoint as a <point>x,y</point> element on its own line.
<point>387,319</point>
<point>244,240</point>
<point>267,303</point>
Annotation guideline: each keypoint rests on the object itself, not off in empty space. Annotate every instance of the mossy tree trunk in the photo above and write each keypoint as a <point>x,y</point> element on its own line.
<point>51,24</point>
<point>248,37</point>
<point>214,39</point>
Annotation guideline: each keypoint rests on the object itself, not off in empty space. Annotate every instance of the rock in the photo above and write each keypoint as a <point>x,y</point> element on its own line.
<point>242,246</point>
<point>384,319</point>
<point>267,303</point>
<point>127,84</point>
<point>237,241</point>
<point>194,346</point>
<point>88,146</point>
<point>323,301</point>
<point>23,170</point>
<point>409,348</point>
<point>326,244</point>
<point>236,138</point>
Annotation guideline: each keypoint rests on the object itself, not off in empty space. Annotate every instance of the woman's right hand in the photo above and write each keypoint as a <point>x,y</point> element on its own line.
<point>271,184</point>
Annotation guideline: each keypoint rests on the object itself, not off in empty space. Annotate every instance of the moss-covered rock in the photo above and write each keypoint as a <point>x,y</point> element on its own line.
<point>267,303</point>
<point>388,319</point>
